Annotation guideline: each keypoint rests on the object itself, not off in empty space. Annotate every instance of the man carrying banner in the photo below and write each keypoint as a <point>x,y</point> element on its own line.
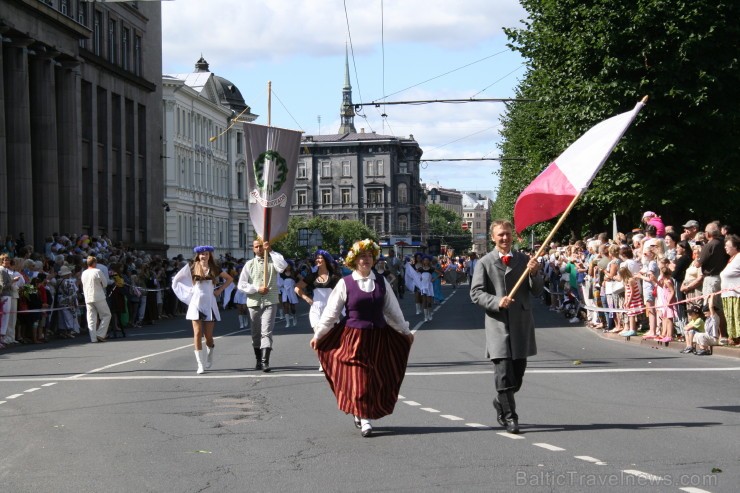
<point>262,298</point>
<point>509,324</point>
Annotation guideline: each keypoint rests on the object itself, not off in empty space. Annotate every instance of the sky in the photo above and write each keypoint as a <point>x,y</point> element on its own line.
<point>405,50</point>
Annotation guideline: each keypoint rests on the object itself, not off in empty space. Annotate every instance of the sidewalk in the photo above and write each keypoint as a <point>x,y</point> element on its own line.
<point>727,351</point>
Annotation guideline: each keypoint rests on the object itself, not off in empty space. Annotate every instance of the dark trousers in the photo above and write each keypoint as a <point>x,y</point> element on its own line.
<point>508,373</point>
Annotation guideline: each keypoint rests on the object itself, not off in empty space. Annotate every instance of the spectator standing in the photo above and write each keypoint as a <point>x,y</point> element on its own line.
<point>652,219</point>
<point>94,284</point>
<point>730,277</point>
<point>712,260</point>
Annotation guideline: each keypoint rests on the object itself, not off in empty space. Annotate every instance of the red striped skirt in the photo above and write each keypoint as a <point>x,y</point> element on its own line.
<point>365,368</point>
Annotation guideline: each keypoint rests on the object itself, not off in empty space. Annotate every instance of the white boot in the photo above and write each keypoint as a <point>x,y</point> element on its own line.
<point>241,321</point>
<point>431,311</point>
<point>366,427</point>
<point>418,308</point>
<point>287,320</point>
<point>209,357</point>
<point>199,359</point>
<point>295,320</point>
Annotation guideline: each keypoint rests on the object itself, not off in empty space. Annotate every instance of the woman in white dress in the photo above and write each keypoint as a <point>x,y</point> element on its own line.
<point>426,287</point>
<point>288,297</point>
<point>195,285</point>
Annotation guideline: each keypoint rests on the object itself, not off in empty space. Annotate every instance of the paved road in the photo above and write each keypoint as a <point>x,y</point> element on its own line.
<point>132,415</point>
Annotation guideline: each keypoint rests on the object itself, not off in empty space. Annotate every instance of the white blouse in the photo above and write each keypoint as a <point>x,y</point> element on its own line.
<point>338,298</point>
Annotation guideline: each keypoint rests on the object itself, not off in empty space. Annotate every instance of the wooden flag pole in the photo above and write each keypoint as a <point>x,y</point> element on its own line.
<point>266,224</point>
<point>546,242</point>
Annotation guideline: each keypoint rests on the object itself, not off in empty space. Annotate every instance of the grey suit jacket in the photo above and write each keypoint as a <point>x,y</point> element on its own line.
<point>509,331</point>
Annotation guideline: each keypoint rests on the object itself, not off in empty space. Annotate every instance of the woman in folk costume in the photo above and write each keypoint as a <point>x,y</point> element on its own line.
<point>364,356</point>
<point>413,279</point>
<point>287,283</point>
<point>426,287</point>
<point>195,285</point>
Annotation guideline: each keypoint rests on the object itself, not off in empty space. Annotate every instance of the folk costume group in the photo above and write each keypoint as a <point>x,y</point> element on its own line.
<point>360,333</point>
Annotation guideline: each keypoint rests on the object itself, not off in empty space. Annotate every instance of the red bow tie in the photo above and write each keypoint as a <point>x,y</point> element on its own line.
<point>506,259</point>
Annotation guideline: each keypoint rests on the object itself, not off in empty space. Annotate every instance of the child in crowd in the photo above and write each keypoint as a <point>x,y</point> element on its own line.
<point>693,328</point>
<point>666,299</point>
<point>632,300</point>
<point>710,335</point>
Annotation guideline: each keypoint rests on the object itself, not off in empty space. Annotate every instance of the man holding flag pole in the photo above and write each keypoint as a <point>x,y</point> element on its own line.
<point>273,154</point>
<point>509,324</point>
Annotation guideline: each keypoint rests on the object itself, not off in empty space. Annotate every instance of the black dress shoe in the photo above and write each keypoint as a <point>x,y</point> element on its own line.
<point>512,426</point>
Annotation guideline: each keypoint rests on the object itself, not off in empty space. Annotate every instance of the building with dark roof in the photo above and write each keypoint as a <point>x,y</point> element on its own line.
<point>361,176</point>
<point>204,165</point>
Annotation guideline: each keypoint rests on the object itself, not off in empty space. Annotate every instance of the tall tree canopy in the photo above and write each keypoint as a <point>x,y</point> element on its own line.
<point>591,59</point>
<point>446,225</point>
<point>336,234</point>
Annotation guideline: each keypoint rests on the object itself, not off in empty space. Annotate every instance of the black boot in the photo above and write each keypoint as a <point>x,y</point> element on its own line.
<point>508,409</point>
<point>258,355</point>
<point>266,359</point>
<point>499,411</point>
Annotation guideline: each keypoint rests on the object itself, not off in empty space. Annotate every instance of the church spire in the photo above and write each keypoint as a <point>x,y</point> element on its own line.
<point>347,111</point>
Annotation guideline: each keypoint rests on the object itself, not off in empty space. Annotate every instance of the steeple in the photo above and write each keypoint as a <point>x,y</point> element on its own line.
<point>347,111</point>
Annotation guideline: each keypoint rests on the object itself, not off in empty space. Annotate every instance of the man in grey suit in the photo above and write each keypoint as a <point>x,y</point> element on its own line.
<point>509,323</point>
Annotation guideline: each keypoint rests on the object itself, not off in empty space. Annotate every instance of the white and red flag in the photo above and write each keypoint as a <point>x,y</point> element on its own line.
<point>571,173</point>
<point>272,160</point>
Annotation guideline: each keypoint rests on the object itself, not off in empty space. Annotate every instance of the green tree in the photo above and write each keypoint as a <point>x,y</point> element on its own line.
<point>332,231</point>
<point>446,225</point>
<point>591,59</point>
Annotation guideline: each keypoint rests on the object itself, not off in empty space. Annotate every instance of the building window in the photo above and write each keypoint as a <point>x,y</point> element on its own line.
<point>403,223</point>
<point>375,222</point>
<point>112,41</point>
<point>64,7</point>
<point>137,55</point>
<point>98,32</point>
<point>125,48</point>
<point>326,196</point>
<point>403,167</point>
<point>346,171</point>
<point>374,168</point>
<point>302,170</point>
<point>375,197</point>
<point>301,197</point>
<point>239,139</point>
<point>346,196</point>
<point>403,194</point>
<point>240,185</point>
<point>325,169</point>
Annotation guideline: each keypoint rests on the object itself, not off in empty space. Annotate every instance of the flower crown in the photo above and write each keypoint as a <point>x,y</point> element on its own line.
<point>203,248</point>
<point>361,247</point>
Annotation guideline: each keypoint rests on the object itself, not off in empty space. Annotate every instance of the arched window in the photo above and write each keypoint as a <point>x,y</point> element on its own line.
<point>403,223</point>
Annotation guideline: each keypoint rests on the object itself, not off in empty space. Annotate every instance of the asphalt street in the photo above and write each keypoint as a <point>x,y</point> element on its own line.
<point>131,415</point>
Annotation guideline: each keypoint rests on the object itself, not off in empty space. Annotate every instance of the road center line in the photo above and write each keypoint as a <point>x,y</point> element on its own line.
<point>510,435</point>
<point>588,458</point>
<point>640,474</point>
<point>14,396</point>
<point>547,446</point>
<point>32,390</point>
<point>452,417</point>
<point>412,403</point>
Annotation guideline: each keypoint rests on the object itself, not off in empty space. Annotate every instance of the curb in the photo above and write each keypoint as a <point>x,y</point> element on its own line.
<point>728,352</point>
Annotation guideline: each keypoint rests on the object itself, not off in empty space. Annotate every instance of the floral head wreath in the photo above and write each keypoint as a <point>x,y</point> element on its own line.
<point>203,248</point>
<point>361,247</point>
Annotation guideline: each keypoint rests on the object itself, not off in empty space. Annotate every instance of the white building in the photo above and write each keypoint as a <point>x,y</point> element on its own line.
<point>204,178</point>
<point>477,217</point>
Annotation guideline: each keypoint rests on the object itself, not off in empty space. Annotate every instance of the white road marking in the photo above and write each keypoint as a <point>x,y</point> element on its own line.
<point>510,435</point>
<point>640,474</point>
<point>400,397</point>
<point>3,402</point>
<point>49,384</point>
<point>32,390</point>
<point>452,417</point>
<point>429,409</point>
<point>548,447</point>
<point>694,490</point>
<point>14,396</point>
<point>478,425</point>
<point>591,459</point>
<point>412,403</point>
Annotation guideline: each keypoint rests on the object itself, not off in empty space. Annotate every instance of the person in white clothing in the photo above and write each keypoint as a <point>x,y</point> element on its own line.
<point>94,283</point>
<point>195,285</point>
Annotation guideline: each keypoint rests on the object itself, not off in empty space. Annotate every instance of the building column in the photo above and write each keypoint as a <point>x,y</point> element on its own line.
<point>4,199</point>
<point>18,135</point>
<point>44,152</point>
<point>68,141</point>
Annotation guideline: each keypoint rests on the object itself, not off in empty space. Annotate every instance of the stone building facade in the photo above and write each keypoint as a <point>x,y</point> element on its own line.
<point>80,125</point>
<point>361,176</point>
<point>204,163</point>
<point>477,216</point>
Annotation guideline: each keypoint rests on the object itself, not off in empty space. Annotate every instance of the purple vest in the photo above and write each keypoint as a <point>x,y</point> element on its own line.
<point>365,310</point>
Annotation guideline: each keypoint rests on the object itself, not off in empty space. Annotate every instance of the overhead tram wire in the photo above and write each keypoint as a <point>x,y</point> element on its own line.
<point>377,104</point>
<point>497,81</point>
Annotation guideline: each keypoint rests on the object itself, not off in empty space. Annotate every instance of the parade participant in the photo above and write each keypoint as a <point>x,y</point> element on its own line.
<point>94,284</point>
<point>195,285</point>
<point>411,279</point>
<point>365,355</point>
<point>426,287</point>
<point>321,284</point>
<point>509,324</point>
<point>262,298</point>
<point>240,299</point>
<point>437,280</point>
<point>67,295</point>
<point>287,282</point>
<point>6,286</point>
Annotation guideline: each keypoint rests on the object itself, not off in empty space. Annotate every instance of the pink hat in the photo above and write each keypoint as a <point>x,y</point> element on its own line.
<point>648,214</point>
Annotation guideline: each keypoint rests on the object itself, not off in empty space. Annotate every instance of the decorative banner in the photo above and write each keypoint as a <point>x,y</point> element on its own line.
<point>272,160</point>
